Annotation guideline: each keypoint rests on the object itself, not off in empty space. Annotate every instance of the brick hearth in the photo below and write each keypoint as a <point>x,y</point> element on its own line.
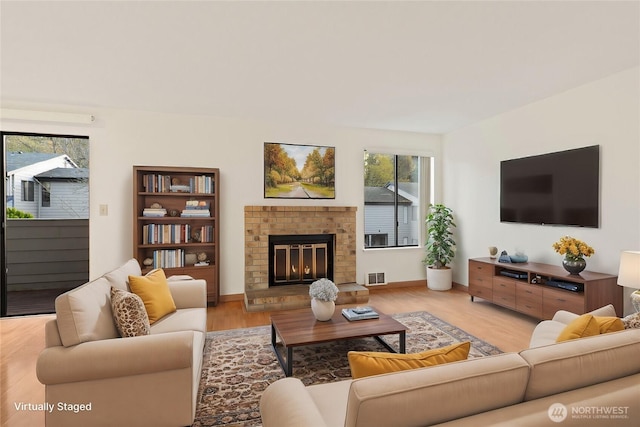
<point>262,221</point>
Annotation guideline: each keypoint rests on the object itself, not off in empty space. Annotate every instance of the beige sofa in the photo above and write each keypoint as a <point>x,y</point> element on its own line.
<point>587,381</point>
<point>93,377</point>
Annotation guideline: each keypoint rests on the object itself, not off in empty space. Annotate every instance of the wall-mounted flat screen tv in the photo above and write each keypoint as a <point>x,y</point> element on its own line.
<point>561,188</point>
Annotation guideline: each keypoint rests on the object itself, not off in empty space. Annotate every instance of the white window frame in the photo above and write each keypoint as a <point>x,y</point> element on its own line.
<point>427,165</point>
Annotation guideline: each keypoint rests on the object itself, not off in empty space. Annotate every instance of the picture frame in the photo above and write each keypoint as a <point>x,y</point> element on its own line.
<point>296,171</point>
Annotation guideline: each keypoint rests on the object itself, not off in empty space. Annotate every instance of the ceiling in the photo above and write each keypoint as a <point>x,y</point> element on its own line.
<point>430,66</point>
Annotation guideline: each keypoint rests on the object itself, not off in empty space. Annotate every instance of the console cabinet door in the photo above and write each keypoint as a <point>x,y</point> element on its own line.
<point>529,299</point>
<point>504,292</point>
<point>557,299</point>
<point>481,280</point>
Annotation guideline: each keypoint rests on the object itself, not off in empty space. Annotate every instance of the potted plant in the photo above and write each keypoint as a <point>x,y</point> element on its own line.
<point>323,293</point>
<point>440,247</point>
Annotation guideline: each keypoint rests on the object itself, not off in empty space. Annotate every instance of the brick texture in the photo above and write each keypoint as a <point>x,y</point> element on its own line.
<point>262,221</point>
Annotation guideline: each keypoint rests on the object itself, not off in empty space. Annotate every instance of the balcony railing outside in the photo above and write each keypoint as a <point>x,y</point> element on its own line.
<point>44,259</point>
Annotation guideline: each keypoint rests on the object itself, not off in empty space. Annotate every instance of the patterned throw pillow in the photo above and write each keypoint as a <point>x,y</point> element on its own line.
<point>631,321</point>
<point>129,313</point>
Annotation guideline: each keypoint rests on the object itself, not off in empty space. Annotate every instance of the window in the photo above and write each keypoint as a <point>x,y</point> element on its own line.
<point>393,189</point>
<point>28,191</point>
<point>46,194</point>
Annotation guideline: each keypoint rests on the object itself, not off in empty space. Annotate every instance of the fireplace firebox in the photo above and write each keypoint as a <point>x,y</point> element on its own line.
<point>300,258</point>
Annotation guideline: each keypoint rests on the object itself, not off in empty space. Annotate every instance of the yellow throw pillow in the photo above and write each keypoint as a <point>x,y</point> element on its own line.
<point>609,324</point>
<point>154,291</point>
<point>583,326</point>
<point>367,363</point>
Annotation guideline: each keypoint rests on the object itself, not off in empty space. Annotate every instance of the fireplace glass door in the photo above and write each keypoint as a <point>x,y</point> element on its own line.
<point>300,262</point>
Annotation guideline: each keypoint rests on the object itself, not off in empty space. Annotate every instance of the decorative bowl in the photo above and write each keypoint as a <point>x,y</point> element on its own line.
<point>519,258</point>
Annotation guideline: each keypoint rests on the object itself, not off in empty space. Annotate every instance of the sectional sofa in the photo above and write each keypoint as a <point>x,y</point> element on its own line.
<point>93,377</point>
<point>577,382</point>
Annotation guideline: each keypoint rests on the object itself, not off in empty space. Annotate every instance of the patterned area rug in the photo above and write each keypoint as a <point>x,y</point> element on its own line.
<point>239,364</point>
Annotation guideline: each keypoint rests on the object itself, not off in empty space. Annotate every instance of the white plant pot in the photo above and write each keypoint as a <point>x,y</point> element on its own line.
<point>439,279</point>
<point>323,310</point>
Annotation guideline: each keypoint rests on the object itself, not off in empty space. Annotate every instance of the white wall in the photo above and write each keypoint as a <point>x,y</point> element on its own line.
<point>120,139</point>
<point>604,112</point>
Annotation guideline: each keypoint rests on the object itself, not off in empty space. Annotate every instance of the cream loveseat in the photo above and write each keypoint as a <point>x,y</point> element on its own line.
<point>93,377</point>
<point>578,382</point>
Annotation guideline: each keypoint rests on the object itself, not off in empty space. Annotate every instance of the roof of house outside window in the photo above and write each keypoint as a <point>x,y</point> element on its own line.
<point>18,160</point>
<point>382,196</point>
<point>64,174</point>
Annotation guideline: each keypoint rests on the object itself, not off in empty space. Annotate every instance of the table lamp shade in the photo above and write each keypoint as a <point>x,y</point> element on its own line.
<point>629,274</point>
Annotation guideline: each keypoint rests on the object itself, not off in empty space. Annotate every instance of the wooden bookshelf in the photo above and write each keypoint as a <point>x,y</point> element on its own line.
<point>176,222</point>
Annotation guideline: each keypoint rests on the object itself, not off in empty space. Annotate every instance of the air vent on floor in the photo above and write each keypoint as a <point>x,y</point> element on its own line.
<point>374,279</point>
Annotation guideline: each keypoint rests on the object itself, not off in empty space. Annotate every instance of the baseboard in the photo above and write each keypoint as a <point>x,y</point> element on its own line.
<point>460,287</point>
<point>411,284</point>
<point>393,285</point>
<point>231,297</point>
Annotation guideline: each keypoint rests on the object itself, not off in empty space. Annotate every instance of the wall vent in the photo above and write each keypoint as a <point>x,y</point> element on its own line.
<point>374,279</point>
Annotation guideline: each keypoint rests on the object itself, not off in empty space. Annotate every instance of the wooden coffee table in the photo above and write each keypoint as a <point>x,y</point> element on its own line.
<point>301,328</point>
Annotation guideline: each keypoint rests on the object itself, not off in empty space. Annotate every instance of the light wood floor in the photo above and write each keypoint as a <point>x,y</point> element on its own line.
<point>22,338</point>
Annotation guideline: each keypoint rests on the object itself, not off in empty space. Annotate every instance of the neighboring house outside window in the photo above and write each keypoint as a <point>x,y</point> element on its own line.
<point>28,191</point>
<point>53,181</point>
<point>376,240</point>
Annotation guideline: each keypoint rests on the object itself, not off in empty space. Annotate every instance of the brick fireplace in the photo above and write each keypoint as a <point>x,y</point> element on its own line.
<point>260,222</point>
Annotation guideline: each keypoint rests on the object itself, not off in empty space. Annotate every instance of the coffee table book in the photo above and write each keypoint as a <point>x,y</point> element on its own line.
<point>359,313</point>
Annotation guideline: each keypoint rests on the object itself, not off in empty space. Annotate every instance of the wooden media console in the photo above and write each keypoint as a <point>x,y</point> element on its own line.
<point>530,293</point>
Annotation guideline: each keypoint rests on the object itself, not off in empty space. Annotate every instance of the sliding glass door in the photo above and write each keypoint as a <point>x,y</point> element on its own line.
<point>45,241</point>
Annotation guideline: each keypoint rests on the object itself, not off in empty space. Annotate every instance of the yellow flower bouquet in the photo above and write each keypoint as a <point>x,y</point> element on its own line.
<point>572,248</point>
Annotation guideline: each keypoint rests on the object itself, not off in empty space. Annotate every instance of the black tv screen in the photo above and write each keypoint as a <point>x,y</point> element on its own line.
<point>560,188</point>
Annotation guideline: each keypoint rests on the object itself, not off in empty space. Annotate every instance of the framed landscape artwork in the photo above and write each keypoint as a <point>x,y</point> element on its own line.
<point>294,171</point>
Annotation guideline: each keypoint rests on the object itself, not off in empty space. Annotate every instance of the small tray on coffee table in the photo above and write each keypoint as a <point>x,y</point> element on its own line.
<point>297,329</point>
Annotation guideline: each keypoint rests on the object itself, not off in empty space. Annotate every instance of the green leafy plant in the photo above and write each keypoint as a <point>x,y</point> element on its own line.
<point>15,213</point>
<point>440,246</point>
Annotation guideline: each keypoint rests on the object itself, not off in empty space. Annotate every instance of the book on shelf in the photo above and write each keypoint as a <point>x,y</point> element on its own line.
<point>206,234</point>
<point>202,184</point>
<point>168,258</point>
<point>360,313</point>
<point>197,204</point>
<point>158,183</point>
<point>180,188</point>
<point>155,213</point>
<point>165,233</point>
<point>196,209</point>
<point>195,213</point>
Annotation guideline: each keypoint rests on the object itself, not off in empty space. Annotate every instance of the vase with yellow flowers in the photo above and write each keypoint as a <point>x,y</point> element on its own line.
<point>574,251</point>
